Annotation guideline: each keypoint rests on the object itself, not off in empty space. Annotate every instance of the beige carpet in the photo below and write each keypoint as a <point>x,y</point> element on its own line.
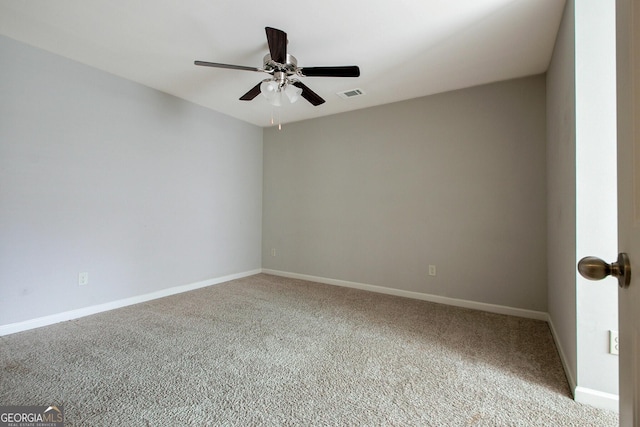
<point>271,351</point>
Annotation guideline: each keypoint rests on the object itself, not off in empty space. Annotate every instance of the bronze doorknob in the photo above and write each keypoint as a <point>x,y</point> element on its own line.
<point>594,268</point>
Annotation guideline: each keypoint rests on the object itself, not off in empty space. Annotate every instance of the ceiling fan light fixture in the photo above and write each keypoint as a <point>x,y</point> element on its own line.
<point>284,70</point>
<point>273,90</point>
<point>276,100</point>
<point>268,88</point>
<point>292,92</point>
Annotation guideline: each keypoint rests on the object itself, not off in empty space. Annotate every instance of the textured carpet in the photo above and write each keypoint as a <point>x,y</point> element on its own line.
<point>264,350</point>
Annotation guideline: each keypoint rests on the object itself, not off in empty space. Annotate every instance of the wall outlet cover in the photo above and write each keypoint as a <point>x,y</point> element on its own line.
<point>83,279</point>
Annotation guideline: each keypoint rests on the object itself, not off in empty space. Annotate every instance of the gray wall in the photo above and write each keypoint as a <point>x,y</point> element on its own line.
<point>140,189</point>
<point>456,180</point>
<point>561,188</point>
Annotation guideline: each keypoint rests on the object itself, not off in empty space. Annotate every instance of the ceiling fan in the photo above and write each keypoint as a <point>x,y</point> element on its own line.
<point>285,73</point>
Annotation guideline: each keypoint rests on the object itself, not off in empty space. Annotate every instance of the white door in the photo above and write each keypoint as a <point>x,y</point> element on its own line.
<point>628,83</point>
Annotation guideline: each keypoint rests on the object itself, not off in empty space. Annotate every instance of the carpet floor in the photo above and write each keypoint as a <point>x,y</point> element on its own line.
<point>266,350</point>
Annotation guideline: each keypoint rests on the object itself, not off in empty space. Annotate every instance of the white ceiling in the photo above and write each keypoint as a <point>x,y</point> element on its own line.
<point>404,48</point>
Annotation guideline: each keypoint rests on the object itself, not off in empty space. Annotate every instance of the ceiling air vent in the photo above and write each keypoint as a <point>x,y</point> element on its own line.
<point>351,93</point>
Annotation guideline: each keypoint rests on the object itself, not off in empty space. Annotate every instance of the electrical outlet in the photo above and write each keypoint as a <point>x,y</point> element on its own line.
<point>432,270</point>
<point>274,252</point>
<point>614,343</point>
<point>83,279</point>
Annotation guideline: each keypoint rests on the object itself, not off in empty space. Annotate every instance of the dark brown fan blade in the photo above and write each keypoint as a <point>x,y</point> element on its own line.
<point>232,67</point>
<point>345,71</point>
<point>255,91</point>
<point>309,95</point>
<point>277,40</point>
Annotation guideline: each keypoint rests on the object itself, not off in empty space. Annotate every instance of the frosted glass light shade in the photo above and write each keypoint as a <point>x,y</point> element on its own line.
<point>273,92</point>
<point>293,93</point>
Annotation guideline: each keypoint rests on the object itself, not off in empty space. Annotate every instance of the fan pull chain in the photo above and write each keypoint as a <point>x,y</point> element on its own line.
<point>273,122</point>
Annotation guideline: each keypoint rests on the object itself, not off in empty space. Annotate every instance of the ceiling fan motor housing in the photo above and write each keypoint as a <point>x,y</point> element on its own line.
<point>290,67</point>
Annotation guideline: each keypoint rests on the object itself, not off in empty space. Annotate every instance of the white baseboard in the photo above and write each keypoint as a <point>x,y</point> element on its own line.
<point>12,328</point>
<point>563,358</point>
<point>597,399</point>
<point>492,308</point>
